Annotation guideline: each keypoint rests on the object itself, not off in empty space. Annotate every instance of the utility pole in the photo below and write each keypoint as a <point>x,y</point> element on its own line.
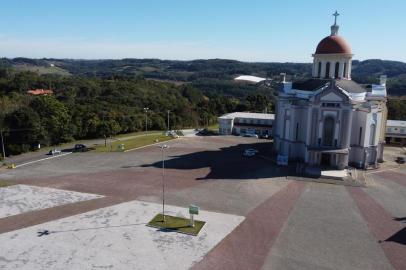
<point>146,119</point>
<point>168,119</point>
<point>104,130</point>
<point>163,147</point>
<point>2,144</point>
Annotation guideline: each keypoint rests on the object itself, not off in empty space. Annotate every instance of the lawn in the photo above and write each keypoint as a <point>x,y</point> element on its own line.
<point>137,133</point>
<point>134,142</point>
<point>214,127</point>
<point>176,224</point>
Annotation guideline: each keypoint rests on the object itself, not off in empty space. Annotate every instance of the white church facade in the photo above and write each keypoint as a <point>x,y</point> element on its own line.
<point>330,120</point>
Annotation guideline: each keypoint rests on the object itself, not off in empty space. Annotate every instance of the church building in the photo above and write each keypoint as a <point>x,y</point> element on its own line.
<point>330,120</point>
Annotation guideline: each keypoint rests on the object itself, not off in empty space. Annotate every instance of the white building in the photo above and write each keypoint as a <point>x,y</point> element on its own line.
<point>395,132</point>
<point>240,123</point>
<point>249,78</point>
<point>330,120</point>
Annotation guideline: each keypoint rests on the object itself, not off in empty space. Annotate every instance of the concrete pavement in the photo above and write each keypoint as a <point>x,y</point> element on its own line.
<point>288,224</point>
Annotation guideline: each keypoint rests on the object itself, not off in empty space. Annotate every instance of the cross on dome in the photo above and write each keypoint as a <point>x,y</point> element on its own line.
<point>334,27</point>
<point>336,14</point>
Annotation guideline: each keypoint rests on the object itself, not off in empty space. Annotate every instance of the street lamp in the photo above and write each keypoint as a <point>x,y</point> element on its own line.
<point>146,119</point>
<point>168,119</point>
<point>163,147</point>
<point>2,145</point>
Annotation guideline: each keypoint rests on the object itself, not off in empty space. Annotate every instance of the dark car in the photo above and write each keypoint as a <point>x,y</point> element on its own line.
<point>80,148</point>
<point>400,160</point>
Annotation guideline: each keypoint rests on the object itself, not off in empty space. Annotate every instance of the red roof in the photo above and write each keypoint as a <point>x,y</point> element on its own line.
<point>40,92</point>
<point>333,44</point>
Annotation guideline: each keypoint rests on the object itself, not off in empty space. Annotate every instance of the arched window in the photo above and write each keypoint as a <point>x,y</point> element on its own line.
<point>345,70</point>
<point>328,131</point>
<point>327,75</point>
<point>319,70</point>
<point>337,67</point>
<point>372,136</point>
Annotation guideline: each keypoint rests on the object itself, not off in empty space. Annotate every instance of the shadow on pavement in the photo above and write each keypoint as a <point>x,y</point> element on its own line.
<point>47,232</point>
<point>400,236</point>
<point>228,162</point>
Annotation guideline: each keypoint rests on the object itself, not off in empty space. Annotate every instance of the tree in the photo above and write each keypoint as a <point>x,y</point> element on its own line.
<point>24,131</point>
<point>258,103</point>
<point>55,119</point>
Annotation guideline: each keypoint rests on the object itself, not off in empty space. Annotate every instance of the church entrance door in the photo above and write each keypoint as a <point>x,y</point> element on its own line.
<point>325,159</point>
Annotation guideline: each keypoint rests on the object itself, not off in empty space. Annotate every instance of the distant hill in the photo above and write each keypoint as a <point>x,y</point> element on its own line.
<point>202,72</point>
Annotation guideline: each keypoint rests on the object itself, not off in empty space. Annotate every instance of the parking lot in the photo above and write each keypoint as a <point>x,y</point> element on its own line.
<point>287,224</point>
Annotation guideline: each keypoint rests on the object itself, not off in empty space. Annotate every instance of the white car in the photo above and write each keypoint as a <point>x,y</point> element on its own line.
<point>54,152</point>
<point>250,152</point>
<point>251,135</point>
<point>172,133</point>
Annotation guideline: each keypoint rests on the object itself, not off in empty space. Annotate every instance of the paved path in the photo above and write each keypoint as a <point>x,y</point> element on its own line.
<point>394,176</point>
<point>325,230</point>
<point>383,227</point>
<point>247,246</point>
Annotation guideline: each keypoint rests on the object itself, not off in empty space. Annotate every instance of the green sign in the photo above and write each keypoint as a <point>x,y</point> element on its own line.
<point>193,209</point>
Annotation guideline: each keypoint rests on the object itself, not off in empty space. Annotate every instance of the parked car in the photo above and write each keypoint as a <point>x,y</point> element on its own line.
<point>54,152</point>
<point>206,132</point>
<point>172,134</point>
<point>264,136</point>
<point>79,148</point>
<point>251,135</point>
<point>250,152</point>
<point>400,160</point>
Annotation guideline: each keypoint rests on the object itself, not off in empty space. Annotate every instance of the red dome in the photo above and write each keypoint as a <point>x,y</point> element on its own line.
<point>333,44</point>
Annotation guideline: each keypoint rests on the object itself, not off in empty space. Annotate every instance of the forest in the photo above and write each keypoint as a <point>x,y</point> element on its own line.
<point>97,98</point>
<point>83,107</point>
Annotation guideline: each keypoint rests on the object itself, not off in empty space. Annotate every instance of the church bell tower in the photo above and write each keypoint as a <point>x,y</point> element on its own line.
<point>333,56</point>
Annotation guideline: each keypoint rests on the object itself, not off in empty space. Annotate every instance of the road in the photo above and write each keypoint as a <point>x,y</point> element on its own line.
<point>42,154</point>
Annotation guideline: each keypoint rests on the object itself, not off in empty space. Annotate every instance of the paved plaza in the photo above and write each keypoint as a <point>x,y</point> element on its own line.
<point>257,216</point>
<point>20,199</point>
<point>113,237</point>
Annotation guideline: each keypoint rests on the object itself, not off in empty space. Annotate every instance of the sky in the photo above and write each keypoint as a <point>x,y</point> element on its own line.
<point>254,31</point>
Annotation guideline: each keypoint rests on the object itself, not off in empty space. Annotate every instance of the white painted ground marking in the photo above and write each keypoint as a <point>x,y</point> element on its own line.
<point>114,237</point>
<point>35,161</point>
<point>20,199</point>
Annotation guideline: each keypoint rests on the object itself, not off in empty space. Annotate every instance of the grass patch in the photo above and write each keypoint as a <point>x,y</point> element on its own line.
<point>214,127</point>
<point>4,183</point>
<point>138,133</point>
<point>176,224</point>
<point>131,143</point>
<point>42,70</point>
